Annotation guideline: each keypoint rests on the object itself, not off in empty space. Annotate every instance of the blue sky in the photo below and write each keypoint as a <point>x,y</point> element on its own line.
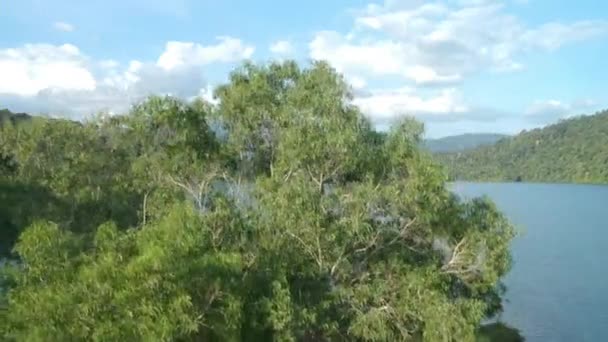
<point>458,65</point>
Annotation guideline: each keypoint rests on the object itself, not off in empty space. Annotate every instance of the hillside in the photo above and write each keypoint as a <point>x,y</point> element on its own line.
<point>6,114</point>
<point>457,143</point>
<point>573,150</point>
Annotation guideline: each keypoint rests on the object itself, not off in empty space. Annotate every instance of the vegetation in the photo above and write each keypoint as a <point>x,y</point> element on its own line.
<point>7,115</point>
<point>460,143</point>
<point>279,214</point>
<point>572,150</point>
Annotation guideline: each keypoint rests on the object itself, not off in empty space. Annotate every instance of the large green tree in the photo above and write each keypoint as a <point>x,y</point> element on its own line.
<point>279,214</point>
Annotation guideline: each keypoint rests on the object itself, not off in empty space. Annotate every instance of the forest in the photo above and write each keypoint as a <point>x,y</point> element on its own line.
<point>278,214</point>
<point>570,151</point>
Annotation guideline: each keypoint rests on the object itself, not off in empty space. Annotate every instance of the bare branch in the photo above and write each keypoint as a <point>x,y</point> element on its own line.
<point>459,266</point>
<point>320,254</point>
<point>456,255</point>
<point>338,261</point>
<point>319,182</point>
<point>181,185</point>
<point>403,230</point>
<point>335,171</point>
<point>308,249</point>
<point>144,206</point>
<point>196,190</point>
<point>369,245</point>
<point>286,178</point>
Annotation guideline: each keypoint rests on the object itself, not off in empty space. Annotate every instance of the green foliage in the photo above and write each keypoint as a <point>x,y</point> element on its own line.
<point>75,162</point>
<point>299,222</point>
<point>572,150</point>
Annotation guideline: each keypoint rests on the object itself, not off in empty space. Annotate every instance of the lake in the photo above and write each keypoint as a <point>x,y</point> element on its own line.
<point>557,289</point>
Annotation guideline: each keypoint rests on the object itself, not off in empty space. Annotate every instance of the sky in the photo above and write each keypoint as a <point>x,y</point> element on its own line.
<point>460,66</point>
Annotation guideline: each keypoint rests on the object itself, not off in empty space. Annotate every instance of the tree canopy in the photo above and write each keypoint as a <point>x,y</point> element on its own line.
<point>278,214</point>
<point>572,150</point>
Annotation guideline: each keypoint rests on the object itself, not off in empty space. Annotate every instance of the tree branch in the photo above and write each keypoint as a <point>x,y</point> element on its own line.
<point>308,249</point>
<point>459,266</point>
<point>338,261</point>
<point>319,182</point>
<point>286,178</point>
<point>369,245</point>
<point>144,214</point>
<point>320,254</point>
<point>403,230</point>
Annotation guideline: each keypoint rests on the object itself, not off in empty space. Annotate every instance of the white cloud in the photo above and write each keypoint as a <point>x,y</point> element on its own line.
<point>426,75</point>
<point>416,44</point>
<point>281,47</point>
<point>546,111</point>
<point>207,95</point>
<point>552,36</point>
<point>384,105</point>
<point>113,93</point>
<point>109,64</point>
<point>179,54</point>
<point>59,79</point>
<point>63,26</point>
<point>34,67</point>
<point>442,42</point>
<point>378,58</point>
<point>356,82</point>
<point>540,107</point>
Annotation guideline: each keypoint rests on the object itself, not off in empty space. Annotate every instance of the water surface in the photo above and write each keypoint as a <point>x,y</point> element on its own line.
<point>558,287</point>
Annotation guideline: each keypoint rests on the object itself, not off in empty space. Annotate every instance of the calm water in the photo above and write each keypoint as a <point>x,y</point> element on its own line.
<point>558,287</point>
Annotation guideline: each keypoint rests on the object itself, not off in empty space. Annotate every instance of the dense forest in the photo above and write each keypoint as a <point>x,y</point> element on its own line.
<point>277,215</point>
<point>462,142</point>
<point>572,150</point>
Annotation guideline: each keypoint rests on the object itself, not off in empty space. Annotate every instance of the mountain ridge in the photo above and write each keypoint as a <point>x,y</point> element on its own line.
<point>461,142</point>
<point>572,150</point>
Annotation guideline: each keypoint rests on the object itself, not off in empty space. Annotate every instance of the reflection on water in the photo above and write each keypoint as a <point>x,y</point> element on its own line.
<point>499,332</point>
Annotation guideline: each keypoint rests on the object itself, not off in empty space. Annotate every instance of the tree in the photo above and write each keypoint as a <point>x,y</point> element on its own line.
<point>300,223</point>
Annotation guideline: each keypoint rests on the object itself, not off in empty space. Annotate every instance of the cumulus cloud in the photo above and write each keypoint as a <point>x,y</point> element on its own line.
<point>60,79</point>
<point>179,54</point>
<point>112,94</point>
<point>63,26</point>
<point>438,44</point>
<point>424,49</point>
<point>281,47</point>
<point>357,83</point>
<point>447,106</point>
<point>34,67</point>
<point>384,105</point>
<point>442,42</point>
<point>375,58</point>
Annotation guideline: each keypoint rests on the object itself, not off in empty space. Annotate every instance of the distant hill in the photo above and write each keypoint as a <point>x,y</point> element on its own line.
<point>461,142</point>
<point>573,150</point>
<point>6,114</point>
